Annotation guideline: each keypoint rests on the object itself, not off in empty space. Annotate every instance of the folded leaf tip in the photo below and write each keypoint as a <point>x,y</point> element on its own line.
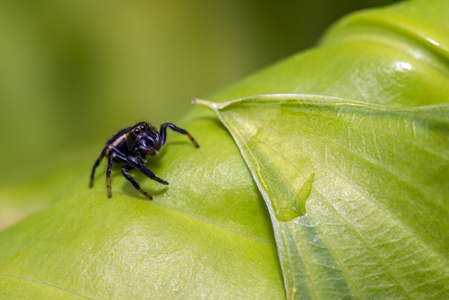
<point>203,103</point>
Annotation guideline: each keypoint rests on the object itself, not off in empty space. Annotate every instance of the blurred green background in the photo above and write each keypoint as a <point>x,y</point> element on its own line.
<point>74,72</point>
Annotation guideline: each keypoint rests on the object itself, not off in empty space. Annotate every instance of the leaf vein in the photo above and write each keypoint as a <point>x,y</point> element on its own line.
<point>44,284</point>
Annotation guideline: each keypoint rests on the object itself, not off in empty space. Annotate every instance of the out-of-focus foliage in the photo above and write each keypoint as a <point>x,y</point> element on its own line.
<point>72,72</point>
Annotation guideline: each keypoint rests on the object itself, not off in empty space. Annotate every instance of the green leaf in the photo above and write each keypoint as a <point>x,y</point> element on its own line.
<point>209,235</point>
<point>206,235</point>
<point>397,55</point>
<point>358,193</point>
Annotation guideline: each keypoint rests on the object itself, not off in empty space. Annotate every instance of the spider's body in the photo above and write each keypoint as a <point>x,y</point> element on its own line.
<point>130,146</point>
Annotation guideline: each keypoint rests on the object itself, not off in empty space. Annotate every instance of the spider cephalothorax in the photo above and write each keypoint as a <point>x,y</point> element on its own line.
<point>130,146</point>
<point>143,139</point>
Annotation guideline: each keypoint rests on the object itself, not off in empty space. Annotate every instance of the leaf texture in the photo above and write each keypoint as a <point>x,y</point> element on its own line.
<point>196,239</point>
<point>358,193</point>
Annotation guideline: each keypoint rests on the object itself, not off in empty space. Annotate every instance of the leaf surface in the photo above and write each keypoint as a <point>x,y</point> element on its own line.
<point>358,193</point>
<point>196,239</point>
<point>210,226</point>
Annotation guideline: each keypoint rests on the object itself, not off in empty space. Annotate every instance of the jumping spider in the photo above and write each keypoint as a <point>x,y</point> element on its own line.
<point>130,145</point>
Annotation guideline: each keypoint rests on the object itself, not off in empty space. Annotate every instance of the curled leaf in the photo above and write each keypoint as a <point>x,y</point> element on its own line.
<point>358,193</point>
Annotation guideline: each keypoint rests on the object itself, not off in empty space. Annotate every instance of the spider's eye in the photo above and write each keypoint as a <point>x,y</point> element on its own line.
<point>137,131</point>
<point>142,127</point>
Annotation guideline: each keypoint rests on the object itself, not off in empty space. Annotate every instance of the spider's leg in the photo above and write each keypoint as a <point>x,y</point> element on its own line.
<point>177,129</point>
<point>139,155</point>
<point>108,173</point>
<point>139,166</point>
<point>97,162</point>
<point>118,153</point>
<point>134,183</point>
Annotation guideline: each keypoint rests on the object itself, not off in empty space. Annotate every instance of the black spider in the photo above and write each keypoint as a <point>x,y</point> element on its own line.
<point>130,145</point>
